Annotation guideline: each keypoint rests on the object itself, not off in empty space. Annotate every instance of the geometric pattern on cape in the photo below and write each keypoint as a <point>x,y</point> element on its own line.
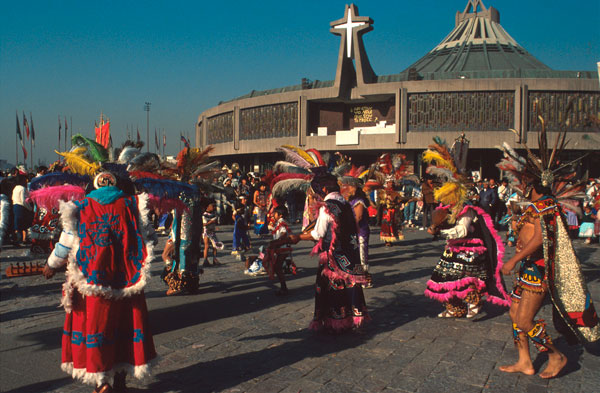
<point>111,247</point>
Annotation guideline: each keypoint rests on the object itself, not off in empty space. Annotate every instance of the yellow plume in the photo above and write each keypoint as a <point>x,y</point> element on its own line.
<point>78,164</point>
<point>451,193</point>
<point>363,174</point>
<point>302,154</point>
<point>430,155</point>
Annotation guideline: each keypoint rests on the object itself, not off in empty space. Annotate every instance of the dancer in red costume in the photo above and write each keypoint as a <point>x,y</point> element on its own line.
<point>104,244</point>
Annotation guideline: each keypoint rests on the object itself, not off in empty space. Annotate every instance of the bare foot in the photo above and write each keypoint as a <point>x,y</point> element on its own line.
<point>555,364</point>
<point>525,368</point>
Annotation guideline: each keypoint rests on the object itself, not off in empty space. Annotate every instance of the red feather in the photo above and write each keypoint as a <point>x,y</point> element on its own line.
<point>285,176</point>
<point>319,158</point>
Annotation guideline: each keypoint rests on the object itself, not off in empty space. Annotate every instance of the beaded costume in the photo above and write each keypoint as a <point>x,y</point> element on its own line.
<point>469,268</point>
<point>555,266</point>
<point>339,299</point>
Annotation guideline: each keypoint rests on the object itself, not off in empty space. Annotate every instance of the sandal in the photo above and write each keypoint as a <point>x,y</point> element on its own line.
<point>172,292</point>
<point>104,388</point>
<point>473,309</point>
<point>446,314</point>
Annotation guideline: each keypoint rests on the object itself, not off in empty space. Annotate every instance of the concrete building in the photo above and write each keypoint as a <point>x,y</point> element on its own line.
<point>478,80</point>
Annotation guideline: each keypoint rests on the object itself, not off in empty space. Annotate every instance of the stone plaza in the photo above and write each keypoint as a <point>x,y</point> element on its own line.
<point>235,335</point>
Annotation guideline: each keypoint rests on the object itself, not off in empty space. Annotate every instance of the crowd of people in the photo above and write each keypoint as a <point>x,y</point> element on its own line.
<point>100,221</point>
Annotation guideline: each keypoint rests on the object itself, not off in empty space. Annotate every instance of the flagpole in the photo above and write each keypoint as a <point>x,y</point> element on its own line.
<point>31,153</point>
<point>71,134</point>
<point>66,133</point>
<point>17,144</point>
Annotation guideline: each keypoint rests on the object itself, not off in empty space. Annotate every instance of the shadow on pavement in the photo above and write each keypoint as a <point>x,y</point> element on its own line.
<point>42,386</point>
<point>220,374</point>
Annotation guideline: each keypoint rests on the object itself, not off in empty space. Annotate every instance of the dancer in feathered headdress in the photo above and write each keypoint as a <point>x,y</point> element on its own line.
<point>105,246</point>
<point>187,201</point>
<point>339,298</point>
<point>548,261</point>
<point>391,168</point>
<point>469,268</point>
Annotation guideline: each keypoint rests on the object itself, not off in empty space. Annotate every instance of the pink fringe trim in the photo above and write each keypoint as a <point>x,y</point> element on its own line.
<point>339,325</point>
<point>452,285</point>
<point>475,250</point>
<point>462,242</point>
<point>500,246</point>
<point>444,297</point>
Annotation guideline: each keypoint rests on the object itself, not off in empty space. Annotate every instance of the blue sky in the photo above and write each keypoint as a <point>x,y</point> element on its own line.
<point>78,58</point>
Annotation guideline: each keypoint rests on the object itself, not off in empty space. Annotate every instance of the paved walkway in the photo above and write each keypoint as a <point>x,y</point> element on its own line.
<point>235,335</point>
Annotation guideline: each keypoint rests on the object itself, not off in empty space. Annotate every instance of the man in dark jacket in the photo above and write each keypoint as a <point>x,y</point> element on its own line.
<point>488,198</point>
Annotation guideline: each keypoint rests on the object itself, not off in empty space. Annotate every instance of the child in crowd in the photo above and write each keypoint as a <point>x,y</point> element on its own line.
<point>209,219</point>
<point>586,230</point>
<point>277,253</point>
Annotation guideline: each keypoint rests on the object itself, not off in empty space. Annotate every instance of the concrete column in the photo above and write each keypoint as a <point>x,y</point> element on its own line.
<point>524,113</point>
<point>197,135</point>
<point>236,128</point>
<point>302,120</point>
<point>517,120</point>
<point>401,115</point>
<point>204,131</point>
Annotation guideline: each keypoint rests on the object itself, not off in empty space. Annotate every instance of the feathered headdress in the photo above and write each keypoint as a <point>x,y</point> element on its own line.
<point>78,163</point>
<point>194,160</point>
<point>545,169</point>
<point>449,166</point>
<point>295,173</point>
<point>353,176</point>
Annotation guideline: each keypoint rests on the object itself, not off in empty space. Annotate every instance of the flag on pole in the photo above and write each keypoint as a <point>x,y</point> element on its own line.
<point>164,140</point>
<point>66,135</point>
<point>21,139</point>
<point>59,131</point>
<point>185,141</point>
<point>138,135</point>
<point>32,130</point>
<point>156,139</point>
<point>103,134</point>
<point>25,125</point>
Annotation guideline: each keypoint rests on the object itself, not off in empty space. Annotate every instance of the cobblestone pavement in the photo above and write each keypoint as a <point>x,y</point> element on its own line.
<point>235,335</point>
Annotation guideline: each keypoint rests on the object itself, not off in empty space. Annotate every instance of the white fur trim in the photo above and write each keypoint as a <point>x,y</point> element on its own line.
<point>4,216</point>
<point>96,379</point>
<point>76,279</point>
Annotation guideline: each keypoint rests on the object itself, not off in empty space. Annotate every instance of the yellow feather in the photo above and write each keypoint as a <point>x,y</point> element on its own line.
<point>451,193</point>
<point>363,174</point>
<point>430,156</point>
<point>302,154</point>
<point>78,164</point>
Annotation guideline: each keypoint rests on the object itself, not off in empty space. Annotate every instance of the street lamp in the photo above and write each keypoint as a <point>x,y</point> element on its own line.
<point>147,109</point>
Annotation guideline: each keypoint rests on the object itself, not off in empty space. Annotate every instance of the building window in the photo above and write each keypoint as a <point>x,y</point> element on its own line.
<point>553,105</point>
<point>269,121</point>
<point>461,111</point>
<point>219,129</point>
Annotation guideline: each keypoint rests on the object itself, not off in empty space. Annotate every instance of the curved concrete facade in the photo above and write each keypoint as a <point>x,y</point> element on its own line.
<point>362,112</point>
